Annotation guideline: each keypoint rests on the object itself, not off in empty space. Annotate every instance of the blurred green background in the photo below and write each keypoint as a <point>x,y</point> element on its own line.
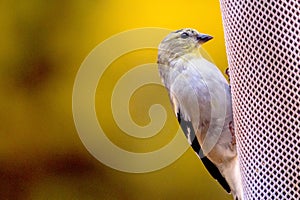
<point>42,46</point>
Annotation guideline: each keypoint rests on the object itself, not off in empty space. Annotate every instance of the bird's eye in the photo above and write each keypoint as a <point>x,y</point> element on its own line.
<point>184,35</point>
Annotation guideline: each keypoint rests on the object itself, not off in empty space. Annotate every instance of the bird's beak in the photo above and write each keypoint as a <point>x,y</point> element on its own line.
<point>202,38</point>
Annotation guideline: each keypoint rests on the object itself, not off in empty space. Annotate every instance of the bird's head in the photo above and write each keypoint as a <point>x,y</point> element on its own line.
<point>179,43</point>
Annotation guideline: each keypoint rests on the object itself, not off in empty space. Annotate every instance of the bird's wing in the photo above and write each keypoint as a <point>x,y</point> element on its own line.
<point>191,103</point>
<point>188,129</point>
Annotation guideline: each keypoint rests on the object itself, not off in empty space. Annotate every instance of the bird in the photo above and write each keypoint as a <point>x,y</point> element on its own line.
<point>201,100</point>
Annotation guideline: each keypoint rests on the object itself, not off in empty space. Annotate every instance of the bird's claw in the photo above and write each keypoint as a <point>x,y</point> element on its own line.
<point>227,72</point>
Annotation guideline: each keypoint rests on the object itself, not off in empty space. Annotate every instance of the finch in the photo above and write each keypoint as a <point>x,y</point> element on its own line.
<point>201,99</point>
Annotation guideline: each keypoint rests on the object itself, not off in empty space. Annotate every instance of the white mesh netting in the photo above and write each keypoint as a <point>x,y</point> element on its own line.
<point>262,44</point>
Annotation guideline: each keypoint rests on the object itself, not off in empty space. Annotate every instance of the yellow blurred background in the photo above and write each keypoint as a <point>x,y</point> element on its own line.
<point>42,46</point>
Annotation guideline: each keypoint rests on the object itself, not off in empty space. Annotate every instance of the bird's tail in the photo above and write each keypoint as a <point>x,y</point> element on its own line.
<point>233,176</point>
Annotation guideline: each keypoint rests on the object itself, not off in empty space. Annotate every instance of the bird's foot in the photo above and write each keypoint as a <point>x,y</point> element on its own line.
<point>231,129</point>
<point>227,72</point>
